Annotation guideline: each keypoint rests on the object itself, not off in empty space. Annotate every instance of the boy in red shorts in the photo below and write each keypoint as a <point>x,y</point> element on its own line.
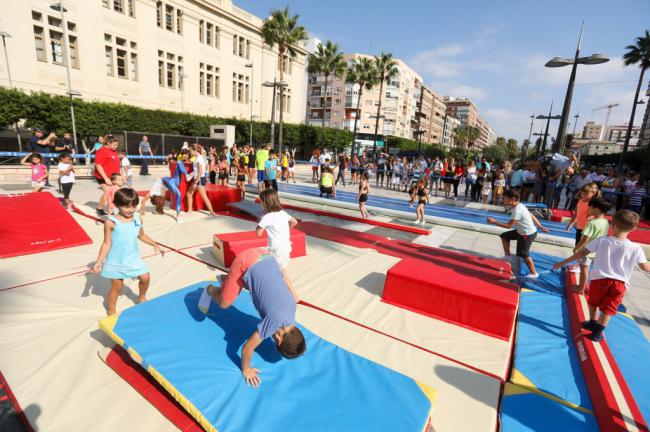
<point>612,269</point>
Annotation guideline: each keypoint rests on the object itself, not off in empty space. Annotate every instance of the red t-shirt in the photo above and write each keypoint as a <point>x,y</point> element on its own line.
<point>109,160</point>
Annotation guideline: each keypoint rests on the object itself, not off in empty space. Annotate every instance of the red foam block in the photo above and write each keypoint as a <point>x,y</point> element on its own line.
<point>442,292</point>
<point>36,222</point>
<point>219,197</point>
<point>120,361</point>
<point>227,246</point>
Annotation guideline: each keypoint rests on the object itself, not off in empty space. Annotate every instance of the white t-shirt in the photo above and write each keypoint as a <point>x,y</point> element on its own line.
<point>523,222</point>
<point>126,166</point>
<point>157,188</point>
<point>277,229</point>
<point>615,258</point>
<point>324,156</point>
<point>68,178</point>
<point>597,178</point>
<point>200,161</point>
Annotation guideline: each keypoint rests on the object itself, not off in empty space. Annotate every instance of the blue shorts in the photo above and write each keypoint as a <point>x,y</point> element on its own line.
<point>260,176</point>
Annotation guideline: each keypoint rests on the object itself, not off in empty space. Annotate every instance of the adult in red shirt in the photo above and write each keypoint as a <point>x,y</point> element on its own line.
<point>107,163</point>
<point>459,172</point>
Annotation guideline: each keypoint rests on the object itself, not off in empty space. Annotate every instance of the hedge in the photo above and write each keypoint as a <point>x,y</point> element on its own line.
<point>52,113</point>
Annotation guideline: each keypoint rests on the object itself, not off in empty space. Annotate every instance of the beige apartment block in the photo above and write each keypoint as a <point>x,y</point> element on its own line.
<point>465,111</point>
<point>400,114</point>
<point>592,130</point>
<point>177,55</point>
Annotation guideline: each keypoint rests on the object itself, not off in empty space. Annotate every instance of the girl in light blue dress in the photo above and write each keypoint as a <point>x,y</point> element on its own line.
<point>119,256</point>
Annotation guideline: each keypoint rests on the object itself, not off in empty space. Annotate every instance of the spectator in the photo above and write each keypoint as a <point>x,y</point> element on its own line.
<point>343,164</point>
<point>325,154</point>
<point>41,145</point>
<point>470,179</point>
<point>107,163</point>
<point>598,176</point>
<point>65,144</point>
<point>144,148</point>
<point>517,178</point>
<point>577,182</point>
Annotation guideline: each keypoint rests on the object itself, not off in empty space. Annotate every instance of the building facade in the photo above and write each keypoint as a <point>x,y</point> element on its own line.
<point>592,130</point>
<point>201,56</point>
<point>450,124</point>
<point>593,148</point>
<point>408,108</point>
<point>465,111</point>
<point>617,134</point>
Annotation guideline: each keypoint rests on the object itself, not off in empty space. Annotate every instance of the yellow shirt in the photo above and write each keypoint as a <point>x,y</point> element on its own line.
<point>327,180</point>
<point>260,159</point>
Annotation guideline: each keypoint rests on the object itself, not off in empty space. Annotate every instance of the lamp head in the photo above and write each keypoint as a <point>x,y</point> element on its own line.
<point>558,62</point>
<point>596,59</point>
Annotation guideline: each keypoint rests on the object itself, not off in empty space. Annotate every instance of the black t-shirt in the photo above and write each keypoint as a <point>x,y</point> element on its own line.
<point>67,145</point>
<point>36,147</point>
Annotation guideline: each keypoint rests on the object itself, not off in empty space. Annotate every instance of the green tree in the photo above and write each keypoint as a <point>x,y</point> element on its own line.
<point>386,68</point>
<point>283,29</point>
<point>327,60</point>
<point>473,133</point>
<point>513,149</point>
<point>363,73</point>
<point>460,136</point>
<point>501,141</point>
<point>637,54</point>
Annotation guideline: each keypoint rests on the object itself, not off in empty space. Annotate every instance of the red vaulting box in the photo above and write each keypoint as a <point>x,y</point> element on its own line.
<point>459,297</point>
<point>226,246</point>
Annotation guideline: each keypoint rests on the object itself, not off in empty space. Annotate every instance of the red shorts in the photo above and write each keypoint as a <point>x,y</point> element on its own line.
<point>314,168</point>
<point>234,282</point>
<point>606,295</point>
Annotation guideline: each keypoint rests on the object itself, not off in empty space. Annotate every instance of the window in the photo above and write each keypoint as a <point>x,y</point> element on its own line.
<point>179,21</point>
<point>170,75</point>
<point>74,57</point>
<point>169,18</point>
<point>159,14</point>
<point>109,60</point>
<point>56,47</point>
<point>180,77</point>
<point>131,7</point>
<point>161,73</point>
<point>241,46</point>
<point>105,4</point>
<point>248,49</point>
<point>201,31</point>
<point>37,16</point>
<point>117,6</point>
<point>170,70</point>
<point>286,65</point>
<point>55,22</point>
<point>39,41</point>
<point>208,34</point>
<point>121,57</point>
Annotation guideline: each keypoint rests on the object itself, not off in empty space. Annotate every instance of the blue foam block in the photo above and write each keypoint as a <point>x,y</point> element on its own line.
<point>544,351</point>
<point>549,281</point>
<point>530,412</point>
<point>326,389</point>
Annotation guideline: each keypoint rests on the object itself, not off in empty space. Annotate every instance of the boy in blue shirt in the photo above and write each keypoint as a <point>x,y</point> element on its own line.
<point>271,171</point>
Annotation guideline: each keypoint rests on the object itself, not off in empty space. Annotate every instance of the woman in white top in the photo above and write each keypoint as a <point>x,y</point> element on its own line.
<point>470,178</point>
<point>200,175</point>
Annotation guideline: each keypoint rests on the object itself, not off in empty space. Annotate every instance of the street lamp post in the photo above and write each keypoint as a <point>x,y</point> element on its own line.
<point>559,62</point>
<point>4,35</point>
<point>548,119</point>
<point>532,120</point>
<point>250,100</point>
<point>628,134</point>
<point>66,58</point>
<point>275,84</point>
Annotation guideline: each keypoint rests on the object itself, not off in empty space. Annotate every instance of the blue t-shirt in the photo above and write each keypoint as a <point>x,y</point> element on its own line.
<point>517,178</point>
<point>271,296</point>
<point>270,166</point>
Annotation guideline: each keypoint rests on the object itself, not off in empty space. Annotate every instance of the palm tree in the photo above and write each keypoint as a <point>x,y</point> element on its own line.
<point>282,29</point>
<point>327,60</point>
<point>460,136</point>
<point>363,73</point>
<point>639,53</point>
<point>473,133</point>
<point>386,68</point>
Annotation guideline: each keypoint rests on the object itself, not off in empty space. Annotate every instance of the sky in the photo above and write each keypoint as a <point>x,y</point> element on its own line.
<point>494,51</point>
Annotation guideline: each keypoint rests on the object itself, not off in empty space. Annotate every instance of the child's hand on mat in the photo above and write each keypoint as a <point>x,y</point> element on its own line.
<point>568,228</point>
<point>491,220</point>
<point>544,229</point>
<point>557,265</point>
<point>97,267</point>
<point>157,250</point>
<point>250,375</point>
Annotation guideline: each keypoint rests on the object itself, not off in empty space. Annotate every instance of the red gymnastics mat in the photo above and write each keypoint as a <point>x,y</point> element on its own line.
<point>36,222</point>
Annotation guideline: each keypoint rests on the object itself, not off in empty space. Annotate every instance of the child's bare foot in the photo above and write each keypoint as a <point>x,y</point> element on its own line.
<point>141,299</point>
<point>110,312</point>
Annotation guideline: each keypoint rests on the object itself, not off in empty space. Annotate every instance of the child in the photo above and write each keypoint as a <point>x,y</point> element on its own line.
<point>327,184</point>
<point>241,175</point>
<point>636,197</point>
<point>615,259</point>
<point>499,187</point>
<point>117,182</point>
<point>274,300</point>
<point>125,168</point>
<point>579,217</point>
<point>423,198</point>
<point>157,196</point>
<point>200,175</point>
<point>119,256</point>
<point>270,171</point>
<point>524,232</point>
<point>292,169</point>
<point>362,196</point>
<point>277,224</point>
<point>39,170</point>
<point>596,227</point>
<point>66,177</point>
<point>222,169</point>
<point>486,188</point>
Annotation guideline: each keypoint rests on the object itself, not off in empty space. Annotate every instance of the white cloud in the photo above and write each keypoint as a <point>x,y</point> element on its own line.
<point>458,90</point>
<point>440,62</point>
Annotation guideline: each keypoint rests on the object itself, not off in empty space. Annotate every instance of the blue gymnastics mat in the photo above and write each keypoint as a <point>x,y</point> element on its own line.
<point>196,358</point>
<point>439,210</point>
<point>524,411</point>
<point>545,358</point>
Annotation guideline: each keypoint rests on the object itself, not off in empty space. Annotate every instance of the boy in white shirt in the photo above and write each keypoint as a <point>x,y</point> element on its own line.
<point>616,257</point>
<point>125,168</point>
<point>524,232</point>
<point>67,178</point>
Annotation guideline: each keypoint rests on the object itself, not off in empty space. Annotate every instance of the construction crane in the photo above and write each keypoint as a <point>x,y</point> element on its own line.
<point>609,111</point>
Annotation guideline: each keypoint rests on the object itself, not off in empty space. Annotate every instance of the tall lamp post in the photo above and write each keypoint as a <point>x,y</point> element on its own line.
<point>548,119</point>
<point>250,100</point>
<point>4,35</point>
<point>628,134</point>
<point>66,58</point>
<point>275,84</point>
<point>575,61</point>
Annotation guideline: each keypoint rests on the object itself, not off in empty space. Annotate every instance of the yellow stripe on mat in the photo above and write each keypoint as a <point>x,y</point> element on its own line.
<point>520,380</point>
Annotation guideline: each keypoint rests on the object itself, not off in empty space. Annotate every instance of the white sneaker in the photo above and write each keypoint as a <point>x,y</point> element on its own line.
<point>531,276</point>
<point>205,300</point>
<point>179,220</point>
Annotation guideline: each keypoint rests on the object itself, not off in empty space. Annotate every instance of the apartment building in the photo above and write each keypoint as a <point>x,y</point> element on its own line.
<point>592,130</point>
<point>465,111</point>
<point>450,123</point>
<point>617,133</point>
<point>200,56</point>
<point>408,107</point>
